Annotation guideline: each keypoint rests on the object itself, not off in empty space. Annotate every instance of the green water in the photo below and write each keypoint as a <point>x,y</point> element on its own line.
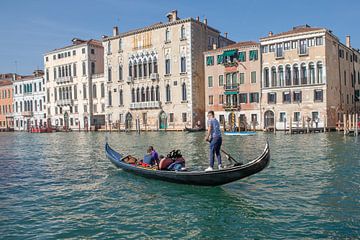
<point>61,185</point>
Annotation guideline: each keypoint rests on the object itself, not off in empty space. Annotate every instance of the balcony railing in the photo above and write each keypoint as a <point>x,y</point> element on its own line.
<point>97,75</point>
<point>145,105</point>
<point>27,113</point>
<point>60,80</point>
<point>65,102</point>
<point>154,76</point>
<point>231,87</point>
<point>231,107</point>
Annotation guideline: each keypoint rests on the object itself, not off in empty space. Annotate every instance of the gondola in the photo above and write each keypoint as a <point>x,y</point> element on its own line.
<point>202,178</point>
<point>194,129</point>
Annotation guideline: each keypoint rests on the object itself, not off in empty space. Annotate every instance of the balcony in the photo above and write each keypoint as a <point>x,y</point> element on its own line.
<point>97,75</point>
<point>27,113</point>
<point>60,80</point>
<point>231,87</point>
<point>129,79</point>
<point>231,107</point>
<point>154,76</point>
<point>145,105</point>
<point>65,102</point>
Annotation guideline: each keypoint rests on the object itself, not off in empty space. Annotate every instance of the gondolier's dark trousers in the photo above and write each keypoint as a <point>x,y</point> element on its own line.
<point>215,146</point>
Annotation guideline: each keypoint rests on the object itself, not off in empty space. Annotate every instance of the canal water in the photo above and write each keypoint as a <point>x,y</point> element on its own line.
<point>61,185</point>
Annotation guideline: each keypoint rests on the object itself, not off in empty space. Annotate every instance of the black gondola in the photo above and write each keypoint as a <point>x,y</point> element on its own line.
<point>211,178</point>
<point>194,129</point>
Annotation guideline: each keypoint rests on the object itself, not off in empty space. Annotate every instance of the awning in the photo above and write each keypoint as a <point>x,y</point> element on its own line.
<point>230,93</point>
<point>230,53</point>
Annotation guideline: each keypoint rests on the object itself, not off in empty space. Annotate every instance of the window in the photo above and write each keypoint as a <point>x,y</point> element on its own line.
<point>109,99</point>
<point>121,98</point>
<point>242,78</point>
<point>92,68</point>
<point>120,44</point>
<point>296,116</point>
<point>311,42</point>
<point>168,93</point>
<point>271,98</point>
<point>85,108</point>
<point>84,68</point>
<point>155,66</point>
<point>253,77</point>
<point>266,78</point>
<point>184,117</point>
<point>253,55</point>
<point>243,97</point>
<point>120,73</point>
<point>92,51</point>
<point>183,64</point>
<point>182,32</point>
<point>83,51</point>
<point>286,97</point>
<point>220,59</point>
<point>265,49</point>
<point>294,44</point>
<point>171,117</point>
<point>84,91</point>
<point>297,97</point>
<point>303,47</point>
<point>209,60</point>
<point>254,98</point>
<point>109,74</point>
<point>47,74</point>
<point>102,90</point>
<point>167,66</point>
<point>282,117</point>
<point>242,57</point>
<point>109,48</point>
<point>318,95</point>
<point>221,99</point>
<point>167,35</point>
<point>211,99</point>
<point>210,81</point>
<point>157,93</point>
<point>75,92</point>
<point>94,91</point>
<point>286,45</point>
<point>74,52</point>
<point>221,80</point>
<point>279,50</point>
<point>319,41</point>
<point>272,48</point>
<point>183,91</point>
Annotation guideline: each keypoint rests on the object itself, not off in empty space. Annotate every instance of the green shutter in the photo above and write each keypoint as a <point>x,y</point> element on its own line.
<point>220,59</point>
<point>229,53</point>
<point>253,55</point>
<point>242,56</point>
<point>209,60</point>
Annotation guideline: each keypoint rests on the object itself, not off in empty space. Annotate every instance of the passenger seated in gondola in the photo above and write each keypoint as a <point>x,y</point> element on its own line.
<point>173,162</point>
<point>148,158</point>
<point>154,155</point>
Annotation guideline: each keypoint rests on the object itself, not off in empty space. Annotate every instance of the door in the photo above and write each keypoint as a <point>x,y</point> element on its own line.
<point>269,119</point>
<point>163,120</point>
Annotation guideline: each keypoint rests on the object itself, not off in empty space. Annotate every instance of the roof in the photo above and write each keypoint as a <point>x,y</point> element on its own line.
<point>235,46</point>
<point>5,83</point>
<point>158,25</point>
<point>294,31</point>
<point>77,42</point>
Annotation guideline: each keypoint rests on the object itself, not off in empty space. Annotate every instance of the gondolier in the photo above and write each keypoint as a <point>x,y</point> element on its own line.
<point>214,137</point>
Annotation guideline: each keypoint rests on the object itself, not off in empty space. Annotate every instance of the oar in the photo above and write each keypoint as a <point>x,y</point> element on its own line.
<point>231,158</point>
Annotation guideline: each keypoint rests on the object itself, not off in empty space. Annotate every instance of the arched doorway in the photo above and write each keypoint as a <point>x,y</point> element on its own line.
<point>162,120</point>
<point>269,119</point>
<point>128,121</point>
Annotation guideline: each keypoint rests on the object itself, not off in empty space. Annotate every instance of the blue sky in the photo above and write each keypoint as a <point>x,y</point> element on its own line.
<point>29,28</point>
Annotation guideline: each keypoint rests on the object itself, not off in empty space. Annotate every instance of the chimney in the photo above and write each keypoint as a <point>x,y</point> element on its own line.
<point>115,31</point>
<point>270,34</point>
<point>172,16</point>
<point>225,33</point>
<point>348,43</point>
<point>214,46</point>
<point>205,21</point>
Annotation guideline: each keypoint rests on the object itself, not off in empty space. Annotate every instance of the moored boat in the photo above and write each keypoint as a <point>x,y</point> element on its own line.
<point>246,133</point>
<point>194,129</point>
<point>211,178</point>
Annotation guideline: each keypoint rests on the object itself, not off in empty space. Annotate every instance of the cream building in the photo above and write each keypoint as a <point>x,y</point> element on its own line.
<point>75,87</point>
<point>308,78</point>
<point>155,75</point>
<point>29,102</point>
<point>233,85</point>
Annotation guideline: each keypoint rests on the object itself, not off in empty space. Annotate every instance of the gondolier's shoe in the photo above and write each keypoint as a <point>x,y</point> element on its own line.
<point>220,167</point>
<point>209,169</point>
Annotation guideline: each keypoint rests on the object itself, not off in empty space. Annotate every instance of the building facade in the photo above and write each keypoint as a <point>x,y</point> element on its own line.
<point>75,88</point>
<point>155,75</point>
<point>29,102</point>
<point>233,85</point>
<point>308,79</point>
<point>6,106</point>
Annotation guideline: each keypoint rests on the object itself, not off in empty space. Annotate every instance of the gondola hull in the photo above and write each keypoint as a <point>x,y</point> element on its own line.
<point>202,178</point>
<point>194,129</point>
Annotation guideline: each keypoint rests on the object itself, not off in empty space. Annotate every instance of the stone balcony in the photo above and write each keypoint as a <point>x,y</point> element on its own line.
<point>65,102</point>
<point>145,105</point>
<point>27,113</point>
<point>61,80</point>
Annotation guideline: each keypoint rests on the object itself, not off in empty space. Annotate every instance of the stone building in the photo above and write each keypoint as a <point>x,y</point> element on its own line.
<point>155,74</point>
<point>29,102</point>
<point>75,87</point>
<point>308,78</point>
<point>6,105</point>
<point>233,85</point>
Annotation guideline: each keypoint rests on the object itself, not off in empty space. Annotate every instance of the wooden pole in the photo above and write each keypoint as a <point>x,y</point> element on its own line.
<point>356,126</point>
<point>345,124</point>
<point>274,124</point>
<point>290,125</point>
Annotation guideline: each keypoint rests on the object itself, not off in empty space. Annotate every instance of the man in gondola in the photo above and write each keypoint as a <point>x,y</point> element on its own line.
<point>214,137</point>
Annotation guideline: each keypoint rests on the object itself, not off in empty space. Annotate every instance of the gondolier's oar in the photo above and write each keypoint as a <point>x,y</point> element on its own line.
<point>231,158</point>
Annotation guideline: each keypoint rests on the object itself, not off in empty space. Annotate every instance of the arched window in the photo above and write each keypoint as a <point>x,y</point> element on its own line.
<point>183,91</point>
<point>21,106</point>
<point>40,105</point>
<point>273,77</point>
<point>311,73</point>
<point>94,91</point>
<point>157,93</point>
<point>150,67</point>
<point>130,69</point>
<point>142,94</point>
<point>102,90</point>
<point>320,73</point>
<point>266,78</point>
<point>137,95</point>
<point>288,75</point>
<point>182,32</point>
<point>60,94</point>
<point>110,98</point>
<point>234,79</point>
<point>35,105</point>
<point>167,35</point>
<point>92,68</point>
<point>121,97</point>
<point>168,93</point>
<point>140,68</point>
<point>303,72</point>
<point>147,93</point>
<point>120,73</point>
<point>135,70</point>
<point>145,68</point>
<point>152,93</point>
<point>296,77</point>
<point>133,95</point>
<point>155,65</point>
<point>281,75</point>
<point>16,107</point>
